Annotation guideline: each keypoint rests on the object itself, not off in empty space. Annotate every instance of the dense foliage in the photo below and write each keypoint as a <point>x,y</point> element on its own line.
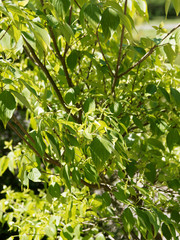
<point>101,138</point>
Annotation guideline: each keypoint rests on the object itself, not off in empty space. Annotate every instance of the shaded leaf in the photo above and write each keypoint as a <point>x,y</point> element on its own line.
<point>89,105</point>
<point>92,14</point>
<point>109,22</point>
<point>128,220</point>
<point>7,106</point>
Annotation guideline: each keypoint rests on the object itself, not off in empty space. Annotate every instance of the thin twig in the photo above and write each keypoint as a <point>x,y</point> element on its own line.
<point>44,69</point>
<point>77,4</point>
<point>61,58</point>
<point>148,53</point>
<point>120,52</point>
<point>29,136</point>
<point>5,32</point>
<point>105,59</point>
<point>52,161</point>
<point>29,55</point>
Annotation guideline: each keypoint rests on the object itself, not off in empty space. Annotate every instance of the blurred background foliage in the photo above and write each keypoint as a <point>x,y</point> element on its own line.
<point>156,9</point>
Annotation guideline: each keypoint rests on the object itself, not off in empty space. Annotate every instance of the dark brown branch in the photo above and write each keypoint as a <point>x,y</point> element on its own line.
<point>120,53</point>
<point>105,59</point>
<point>61,58</point>
<point>28,136</point>
<point>44,69</point>
<point>52,161</point>
<point>77,4</point>
<point>29,55</point>
<point>5,32</point>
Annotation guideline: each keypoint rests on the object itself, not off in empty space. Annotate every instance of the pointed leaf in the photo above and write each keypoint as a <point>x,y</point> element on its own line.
<point>128,220</point>
<point>92,14</point>
<point>7,106</point>
<point>176,95</point>
<point>66,176</point>
<point>34,175</point>
<point>109,22</point>
<point>22,99</point>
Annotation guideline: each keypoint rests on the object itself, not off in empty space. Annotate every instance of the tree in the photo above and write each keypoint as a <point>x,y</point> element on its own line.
<point>102,110</point>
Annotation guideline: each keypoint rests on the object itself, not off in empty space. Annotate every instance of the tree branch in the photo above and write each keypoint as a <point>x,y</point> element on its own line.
<point>32,148</point>
<point>61,58</point>
<point>77,4</point>
<point>29,136</point>
<point>105,59</point>
<point>148,53</point>
<point>120,52</point>
<point>44,69</point>
<point>5,32</point>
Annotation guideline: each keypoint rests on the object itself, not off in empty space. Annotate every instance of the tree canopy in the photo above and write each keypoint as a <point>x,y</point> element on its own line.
<point>101,136</point>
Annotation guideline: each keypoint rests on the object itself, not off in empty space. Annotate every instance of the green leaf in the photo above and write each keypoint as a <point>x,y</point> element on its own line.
<point>69,154</point>
<point>61,6</point>
<point>72,60</point>
<point>141,7</point>
<point>32,90</point>
<point>50,230</point>
<point>66,31</point>
<point>90,173</point>
<point>76,177</point>
<point>89,105</point>
<point>151,88</point>
<point>54,144</point>
<point>166,232</point>
<point>34,175</point>
<point>176,95</point>
<point>169,53</point>
<point>109,22</point>
<point>125,20</point>
<point>177,38</point>
<point>43,34</point>
<point>174,184</point>
<point>54,190</point>
<point>100,150</point>
<point>65,173</point>
<point>7,106</point>
<point>175,215</point>
<point>4,161</point>
<point>92,14</point>
<point>116,108</point>
<point>144,219</point>
<point>22,99</point>
<point>167,5</point>
<point>30,38</point>
<point>156,143</point>
<point>106,198</point>
<point>100,236</point>
<point>38,143</point>
<point>70,96</point>
<point>172,138</point>
<point>120,194</point>
<point>165,93</point>
<point>138,123</point>
<point>128,220</point>
<point>176,5</point>
<point>150,172</point>
<point>131,168</point>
